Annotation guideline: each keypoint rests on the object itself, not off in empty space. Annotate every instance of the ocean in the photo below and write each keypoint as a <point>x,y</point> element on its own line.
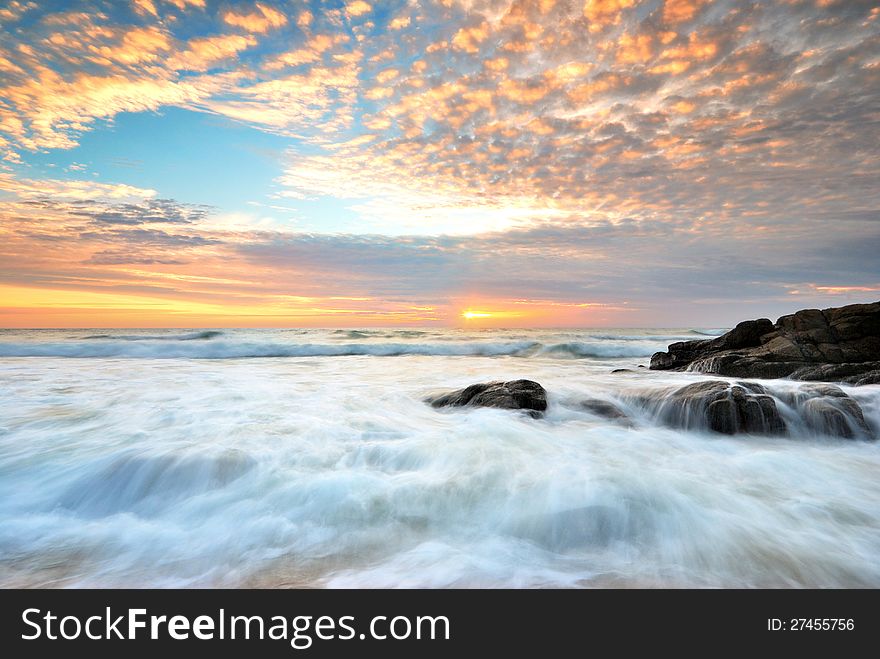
<point>308,458</point>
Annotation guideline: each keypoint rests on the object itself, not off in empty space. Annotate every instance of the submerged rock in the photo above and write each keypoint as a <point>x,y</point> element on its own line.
<point>743,407</point>
<point>747,407</point>
<point>604,409</point>
<point>512,395</point>
<point>838,344</point>
<point>831,411</point>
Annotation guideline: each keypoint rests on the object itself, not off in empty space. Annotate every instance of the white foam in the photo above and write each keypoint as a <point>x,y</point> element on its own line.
<point>332,472</point>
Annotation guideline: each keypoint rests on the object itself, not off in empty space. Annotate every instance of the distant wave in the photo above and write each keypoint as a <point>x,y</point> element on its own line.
<point>385,334</point>
<point>710,332</point>
<point>600,349</point>
<point>638,337</point>
<point>190,336</point>
<point>180,349</point>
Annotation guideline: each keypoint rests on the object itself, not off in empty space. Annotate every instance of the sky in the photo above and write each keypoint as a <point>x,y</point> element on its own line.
<point>616,163</point>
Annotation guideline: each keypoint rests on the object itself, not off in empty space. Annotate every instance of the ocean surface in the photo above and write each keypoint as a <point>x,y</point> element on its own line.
<point>308,458</point>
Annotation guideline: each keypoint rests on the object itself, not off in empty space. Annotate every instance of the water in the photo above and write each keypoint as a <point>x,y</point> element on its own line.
<point>308,458</point>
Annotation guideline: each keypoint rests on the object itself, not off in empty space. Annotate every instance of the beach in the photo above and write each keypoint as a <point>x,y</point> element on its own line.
<point>309,458</point>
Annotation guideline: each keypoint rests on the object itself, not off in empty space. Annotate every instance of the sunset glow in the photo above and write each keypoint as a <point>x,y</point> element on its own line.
<point>358,163</point>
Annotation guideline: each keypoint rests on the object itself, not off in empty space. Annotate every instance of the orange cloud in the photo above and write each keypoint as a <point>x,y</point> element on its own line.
<point>203,53</point>
<point>56,108</point>
<point>684,107</point>
<point>602,13</point>
<point>469,39</point>
<point>183,4</point>
<point>697,49</point>
<point>136,45</point>
<point>357,8</point>
<point>311,51</point>
<point>679,11</point>
<point>497,64</point>
<point>634,49</point>
<point>521,91</point>
<point>388,74</point>
<point>260,21</point>
<point>145,7</point>
<point>399,23</point>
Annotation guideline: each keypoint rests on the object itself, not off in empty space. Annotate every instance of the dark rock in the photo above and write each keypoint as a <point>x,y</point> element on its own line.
<point>623,370</point>
<point>512,395</point>
<point>838,417</point>
<point>743,407</point>
<point>850,373</point>
<point>829,410</point>
<point>745,335</point>
<point>604,409</point>
<point>871,377</point>
<point>837,344</point>
<point>824,389</point>
<point>747,407</point>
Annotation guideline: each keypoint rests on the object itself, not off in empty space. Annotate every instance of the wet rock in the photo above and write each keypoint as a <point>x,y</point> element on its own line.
<point>836,344</point>
<point>850,373</point>
<point>513,395</point>
<point>837,417</point>
<point>724,408</point>
<point>829,410</point>
<point>823,389</point>
<point>871,377</point>
<point>604,409</point>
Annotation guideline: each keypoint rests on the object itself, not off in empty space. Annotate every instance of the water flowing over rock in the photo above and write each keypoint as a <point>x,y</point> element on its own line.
<point>830,410</point>
<point>605,409</point>
<point>750,408</point>
<point>512,395</point>
<point>744,407</point>
<point>838,344</point>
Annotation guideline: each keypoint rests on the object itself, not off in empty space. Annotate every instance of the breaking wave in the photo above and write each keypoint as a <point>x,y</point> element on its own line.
<point>709,332</point>
<point>190,336</point>
<point>165,348</point>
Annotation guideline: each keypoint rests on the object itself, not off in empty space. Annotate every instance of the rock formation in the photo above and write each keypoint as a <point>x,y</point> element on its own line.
<point>747,407</point>
<point>512,395</point>
<point>839,344</point>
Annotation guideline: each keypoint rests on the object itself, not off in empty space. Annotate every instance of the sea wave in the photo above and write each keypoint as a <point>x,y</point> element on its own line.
<point>182,349</point>
<point>189,336</point>
<point>710,332</point>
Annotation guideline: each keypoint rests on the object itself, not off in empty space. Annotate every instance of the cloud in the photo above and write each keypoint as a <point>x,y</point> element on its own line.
<point>399,22</point>
<point>262,20</point>
<point>540,147</point>
<point>71,190</point>
<point>153,211</point>
<point>357,8</point>
<point>203,53</point>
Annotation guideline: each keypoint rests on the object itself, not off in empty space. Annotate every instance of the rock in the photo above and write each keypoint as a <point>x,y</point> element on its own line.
<point>838,417</point>
<point>743,407</point>
<point>850,373</point>
<point>871,377</point>
<point>604,409</point>
<point>623,370</point>
<point>823,389</point>
<point>745,335</point>
<point>512,395</point>
<point>829,410</point>
<point>747,407</point>
<point>837,344</point>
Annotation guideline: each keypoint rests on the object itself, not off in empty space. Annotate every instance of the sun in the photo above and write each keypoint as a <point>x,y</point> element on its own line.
<point>476,314</point>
